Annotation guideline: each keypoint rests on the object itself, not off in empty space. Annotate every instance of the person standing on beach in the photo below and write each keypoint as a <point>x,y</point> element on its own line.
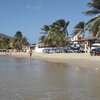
<point>10,51</point>
<point>30,53</point>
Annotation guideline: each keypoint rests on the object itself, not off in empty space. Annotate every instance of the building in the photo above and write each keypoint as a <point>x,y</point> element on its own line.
<point>76,39</point>
<point>79,39</point>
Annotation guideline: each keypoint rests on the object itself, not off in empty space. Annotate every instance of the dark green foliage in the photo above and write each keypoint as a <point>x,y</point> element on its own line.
<point>93,25</point>
<point>94,8</point>
<point>5,43</point>
<point>19,41</point>
<point>55,33</point>
<point>79,28</point>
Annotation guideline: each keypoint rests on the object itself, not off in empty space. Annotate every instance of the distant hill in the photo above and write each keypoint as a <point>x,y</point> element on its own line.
<point>5,36</point>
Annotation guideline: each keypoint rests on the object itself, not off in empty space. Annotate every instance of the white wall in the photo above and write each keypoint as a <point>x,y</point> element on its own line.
<point>38,49</point>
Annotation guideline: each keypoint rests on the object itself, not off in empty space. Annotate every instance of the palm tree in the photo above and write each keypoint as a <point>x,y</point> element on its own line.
<point>19,41</point>
<point>95,8</point>
<point>55,33</point>
<point>59,30</point>
<point>46,38</point>
<point>25,41</point>
<point>79,29</point>
<point>63,26</point>
<point>42,39</point>
<point>93,25</point>
<point>45,29</point>
<point>18,35</point>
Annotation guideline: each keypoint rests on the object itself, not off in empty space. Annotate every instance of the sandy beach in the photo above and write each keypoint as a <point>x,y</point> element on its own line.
<point>72,59</point>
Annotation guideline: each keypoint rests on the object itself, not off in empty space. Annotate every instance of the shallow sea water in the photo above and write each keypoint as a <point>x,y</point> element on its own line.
<point>22,79</point>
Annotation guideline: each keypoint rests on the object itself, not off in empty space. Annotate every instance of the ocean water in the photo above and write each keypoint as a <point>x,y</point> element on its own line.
<point>25,79</point>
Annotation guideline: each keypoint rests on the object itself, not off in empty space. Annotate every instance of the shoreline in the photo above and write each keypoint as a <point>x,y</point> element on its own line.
<point>72,59</point>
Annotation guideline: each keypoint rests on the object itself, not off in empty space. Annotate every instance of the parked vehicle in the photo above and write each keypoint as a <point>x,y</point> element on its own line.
<point>55,50</point>
<point>95,52</point>
<point>95,45</point>
<point>48,50</point>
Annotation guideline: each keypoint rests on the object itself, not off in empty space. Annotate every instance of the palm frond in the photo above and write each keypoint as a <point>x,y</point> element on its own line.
<point>91,12</point>
<point>95,8</point>
<point>79,28</point>
<point>93,26</point>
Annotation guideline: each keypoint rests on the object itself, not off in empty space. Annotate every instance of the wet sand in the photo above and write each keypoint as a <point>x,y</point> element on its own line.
<point>76,59</point>
<point>71,77</point>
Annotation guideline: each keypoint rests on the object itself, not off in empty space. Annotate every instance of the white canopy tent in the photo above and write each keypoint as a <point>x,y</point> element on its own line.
<point>96,44</point>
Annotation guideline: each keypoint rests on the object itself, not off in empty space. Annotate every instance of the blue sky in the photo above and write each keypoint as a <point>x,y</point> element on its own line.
<point>28,16</point>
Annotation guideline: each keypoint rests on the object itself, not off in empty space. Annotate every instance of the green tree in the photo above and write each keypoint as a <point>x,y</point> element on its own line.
<point>25,41</point>
<point>94,8</point>
<point>45,29</point>
<point>55,33</point>
<point>46,38</point>
<point>5,43</point>
<point>42,39</point>
<point>79,28</point>
<point>63,26</point>
<point>59,32</point>
<point>93,25</point>
<point>18,35</point>
<point>19,41</point>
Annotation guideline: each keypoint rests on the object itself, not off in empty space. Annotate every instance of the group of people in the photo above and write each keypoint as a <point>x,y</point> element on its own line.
<point>9,52</point>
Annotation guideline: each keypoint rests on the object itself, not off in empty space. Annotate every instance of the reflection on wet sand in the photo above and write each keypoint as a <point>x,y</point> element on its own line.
<point>41,80</point>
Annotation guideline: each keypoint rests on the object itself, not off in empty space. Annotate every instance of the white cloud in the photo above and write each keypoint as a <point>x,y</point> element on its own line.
<point>35,7</point>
